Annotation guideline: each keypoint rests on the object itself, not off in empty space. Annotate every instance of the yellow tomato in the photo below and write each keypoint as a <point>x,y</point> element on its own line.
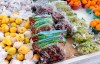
<point>27,24</point>
<point>23,49</point>
<point>5,28</point>
<point>13,29</point>
<point>7,34</point>
<point>20,37</point>
<point>7,41</point>
<point>20,56</point>
<point>27,40</point>
<point>2,16</point>
<point>18,21</point>
<point>13,34</point>
<point>11,51</point>
<point>2,44</point>
<point>22,30</point>
<point>4,25</point>
<point>7,48</point>
<point>5,20</point>
<point>0,28</point>
<point>13,24</point>
<point>11,19</point>
<point>9,57</point>
<point>0,22</point>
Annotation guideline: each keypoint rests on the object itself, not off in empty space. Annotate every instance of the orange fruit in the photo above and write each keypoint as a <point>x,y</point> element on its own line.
<point>97,13</point>
<point>96,6</point>
<point>71,2</point>
<point>92,7</point>
<point>97,20</point>
<point>76,4</point>
<point>93,2</point>
<point>84,1</point>
<point>93,24</point>
<point>87,5</point>
<point>98,27</point>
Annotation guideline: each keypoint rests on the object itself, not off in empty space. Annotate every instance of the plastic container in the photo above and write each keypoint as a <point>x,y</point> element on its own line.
<point>95,31</point>
<point>75,7</point>
<point>94,16</point>
<point>88,10</point>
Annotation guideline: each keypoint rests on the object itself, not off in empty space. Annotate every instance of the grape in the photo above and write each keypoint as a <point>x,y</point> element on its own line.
<point>81,37</point>
<point>87,47</point>
<point>73,18</point>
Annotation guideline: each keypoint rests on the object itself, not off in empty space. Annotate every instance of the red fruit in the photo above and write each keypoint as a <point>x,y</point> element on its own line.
<point>35,38</point>
<point>33,30</point>
<point>31,20</point>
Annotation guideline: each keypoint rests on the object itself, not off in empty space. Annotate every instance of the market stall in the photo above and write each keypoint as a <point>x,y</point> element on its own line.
<point>49,31</point>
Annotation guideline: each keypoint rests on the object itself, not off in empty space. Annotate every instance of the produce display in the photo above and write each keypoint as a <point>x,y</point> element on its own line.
<point>36,32</point>
<point>81,34</point>
<point>51,54</point>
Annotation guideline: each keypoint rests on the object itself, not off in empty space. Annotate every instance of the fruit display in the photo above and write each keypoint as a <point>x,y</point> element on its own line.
<point>75,4</point>
<point>91,4</point>
<point>87,47</point>
<point>94,24</point>
<point>81,35</point>
<point>51,54</point>
<point>15,39</point>
<point>96,13</point>
<point>45,25</point>
<point>42,32</point>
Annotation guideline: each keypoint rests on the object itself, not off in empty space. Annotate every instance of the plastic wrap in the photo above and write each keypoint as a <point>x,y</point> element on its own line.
<point>39,9</point>
<point>42,23</point>
<point>46,38</point>
<point>10,8</point>
<point>51,54</point>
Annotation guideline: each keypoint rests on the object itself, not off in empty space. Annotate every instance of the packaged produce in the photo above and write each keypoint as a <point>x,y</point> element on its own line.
<point>57,17</point>
<point>39,9</point>
<point>49,34</point>
<point>82,37</point>
<point>64,25</point>
<point>51,54</point>
<point>61,5</point>
<point>50,38</point>
<point>42,23</point>
<point>88,47</point>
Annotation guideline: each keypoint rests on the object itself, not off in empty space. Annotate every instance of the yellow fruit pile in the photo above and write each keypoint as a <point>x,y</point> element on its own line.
<point>9,26</point>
